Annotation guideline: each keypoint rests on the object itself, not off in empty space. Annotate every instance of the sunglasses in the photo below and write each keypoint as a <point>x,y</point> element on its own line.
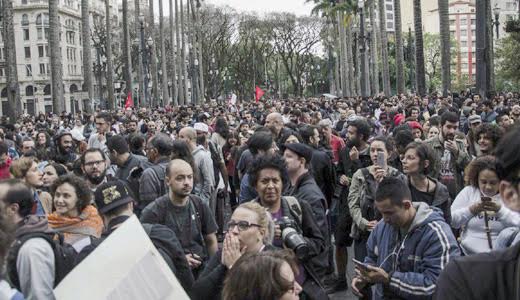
<point>242,225</point>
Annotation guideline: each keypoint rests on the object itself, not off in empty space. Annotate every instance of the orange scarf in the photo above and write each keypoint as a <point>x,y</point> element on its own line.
<point>88,223</point>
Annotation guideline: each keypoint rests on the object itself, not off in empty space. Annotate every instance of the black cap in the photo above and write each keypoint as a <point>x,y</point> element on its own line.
<point>301,150</point>
<point>111,195</point>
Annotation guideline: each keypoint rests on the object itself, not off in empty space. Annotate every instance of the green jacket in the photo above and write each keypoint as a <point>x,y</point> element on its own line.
<point>457,165</point>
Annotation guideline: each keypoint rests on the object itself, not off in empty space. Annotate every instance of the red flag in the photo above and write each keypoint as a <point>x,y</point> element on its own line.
<point>129,102</point>
<point>258,93</point>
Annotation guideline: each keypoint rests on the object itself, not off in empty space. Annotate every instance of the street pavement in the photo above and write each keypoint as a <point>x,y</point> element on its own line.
<point>350,273</point>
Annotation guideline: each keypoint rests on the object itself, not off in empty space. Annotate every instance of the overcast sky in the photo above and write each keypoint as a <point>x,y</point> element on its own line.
<point>298,7</point>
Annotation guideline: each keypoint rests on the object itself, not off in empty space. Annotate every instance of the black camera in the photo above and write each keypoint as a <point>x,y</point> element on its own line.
<point>292,239</point>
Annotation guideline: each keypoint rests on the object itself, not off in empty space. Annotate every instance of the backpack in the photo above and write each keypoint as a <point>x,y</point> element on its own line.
<point>64,256</point>
<point>216,158</point>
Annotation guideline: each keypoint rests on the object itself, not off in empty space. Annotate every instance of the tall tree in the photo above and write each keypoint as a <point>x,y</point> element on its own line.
<point>173,57</point>
<point>199,46</point>
<point>179,62</point>
<point>110,62</point>
<point>140,65</point>
<point>87,52</point>
<point>384,48</point>
<point>153,55</point>
<point>14,106</point>
<point>399,60</point>
<point>444,22</point>
<point>58,99</point>
<point>183,55</point>
<point>419,48</point>
<point>162,48</point>
<point>374,80</point>
<point>127,50</point>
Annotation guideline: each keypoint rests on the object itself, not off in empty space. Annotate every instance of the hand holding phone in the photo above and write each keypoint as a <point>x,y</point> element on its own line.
<point>361,265</point>
<point>381,159</point>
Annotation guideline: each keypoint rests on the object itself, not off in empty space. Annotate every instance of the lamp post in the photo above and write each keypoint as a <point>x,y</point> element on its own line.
<point>496,12</point>
<point>362,49</point>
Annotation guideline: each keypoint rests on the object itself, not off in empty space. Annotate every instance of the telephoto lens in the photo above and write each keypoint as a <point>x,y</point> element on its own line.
<point>296,242</point>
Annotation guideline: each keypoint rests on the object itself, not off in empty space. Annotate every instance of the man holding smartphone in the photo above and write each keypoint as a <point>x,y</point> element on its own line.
<point>407,250</point>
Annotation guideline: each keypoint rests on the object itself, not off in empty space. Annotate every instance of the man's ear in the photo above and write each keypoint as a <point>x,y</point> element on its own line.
<point>407,204</point>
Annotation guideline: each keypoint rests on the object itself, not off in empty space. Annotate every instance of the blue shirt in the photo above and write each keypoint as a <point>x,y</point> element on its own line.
<point>247,192</point>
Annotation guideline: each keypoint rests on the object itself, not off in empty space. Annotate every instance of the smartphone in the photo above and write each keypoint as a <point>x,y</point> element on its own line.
<point>363,266</point>
<point>485,199</point>
<point>381,159</point>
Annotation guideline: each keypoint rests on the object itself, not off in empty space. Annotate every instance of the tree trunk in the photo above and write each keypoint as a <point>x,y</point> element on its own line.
<point>490,47</point>
<point>183,55</point>
<point>164,77</point>
<point>342,54</point>
<point>444,21</point>
<point>351,79</point>
<point>399,60</point>
<point>110,67</point>
<point>58,99</point>
<point>87,53</point>
<point>173,57</point>
<point>14,105</point>
<point>197,54</point>
<point>419,48</point>
<point>384,49</point>
<point>127,51</point>
<point>374,50</point>
<point>140,65</point>
<point>153,55</point>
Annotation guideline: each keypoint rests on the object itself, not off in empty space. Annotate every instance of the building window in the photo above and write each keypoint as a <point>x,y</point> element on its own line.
<point>390,16</point>
<point>463,43</point>
<point>389,7</point>
<point>24,2</point>
<point>41,51</point>
<point>2,72</point>
<point>463,21</point>
<point>26,34</point>
<point>473,21</point>
<point>473,44</point>
<point>464,65</point>
<point>452,22</point>
<point>42,26</point>
<point>473,32</point>
<point>463,32</point>
<point>1,53</point>
<point>25,20</point>
<point>389,25</point>
<point>27,52</point>
<point>28,70</point>
<point>29,91</point>
<point>42,69</point>
<point>452,33</point>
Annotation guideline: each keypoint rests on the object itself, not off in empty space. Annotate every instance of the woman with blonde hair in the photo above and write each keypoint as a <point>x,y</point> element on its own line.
<point>250,230</point>
<point>26,169</point>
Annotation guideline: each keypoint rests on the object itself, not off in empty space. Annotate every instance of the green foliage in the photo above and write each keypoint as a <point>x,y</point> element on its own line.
<point>507,64</point>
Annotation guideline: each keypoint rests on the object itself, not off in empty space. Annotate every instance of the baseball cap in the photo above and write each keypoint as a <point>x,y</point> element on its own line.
<point>111,195</point>
<point>474,119</point>
<point>301,150</point>
<point>201,127</point>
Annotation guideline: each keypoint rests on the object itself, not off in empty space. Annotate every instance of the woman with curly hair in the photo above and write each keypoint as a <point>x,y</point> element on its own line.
<point>487,136</point>
<point>74,216</point>
<point>478,209</point>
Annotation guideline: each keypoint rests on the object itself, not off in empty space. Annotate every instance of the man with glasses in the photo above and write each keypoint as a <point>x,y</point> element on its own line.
<point>407,250</point>
<point>186,214</point>
<point>493,275</point>
<point>94,167</point>
<point>99,139</point>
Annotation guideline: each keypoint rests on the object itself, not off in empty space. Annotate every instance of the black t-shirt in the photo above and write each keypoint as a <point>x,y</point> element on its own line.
<point>184,221</point>
<point>419,196</point>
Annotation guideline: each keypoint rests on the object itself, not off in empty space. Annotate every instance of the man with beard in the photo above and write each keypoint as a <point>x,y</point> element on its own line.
<point>64,150</point>
<point>94,166</point>
<point>131,127</point>
<point>354,156</point>
<point>450,155</point>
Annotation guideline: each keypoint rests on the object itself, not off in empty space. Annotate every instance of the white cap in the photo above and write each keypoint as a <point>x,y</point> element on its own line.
<point>201,127</point>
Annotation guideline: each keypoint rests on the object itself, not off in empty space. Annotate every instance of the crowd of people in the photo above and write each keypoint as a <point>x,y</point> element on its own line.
<point>262,200</point>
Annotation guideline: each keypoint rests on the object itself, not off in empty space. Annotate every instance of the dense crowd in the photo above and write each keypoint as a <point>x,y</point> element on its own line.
<point>261,200</point>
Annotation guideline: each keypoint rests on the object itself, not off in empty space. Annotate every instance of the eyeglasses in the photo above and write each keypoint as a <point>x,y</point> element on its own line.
<point>93,163</point>
<point>242,225</point>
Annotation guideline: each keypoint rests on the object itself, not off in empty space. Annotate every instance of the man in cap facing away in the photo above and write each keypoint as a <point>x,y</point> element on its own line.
<point>116,204</point>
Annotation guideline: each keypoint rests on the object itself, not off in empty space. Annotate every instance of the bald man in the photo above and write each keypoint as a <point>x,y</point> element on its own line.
<point>274,121</point>
<point>186,214</point>
<point>203,162</point>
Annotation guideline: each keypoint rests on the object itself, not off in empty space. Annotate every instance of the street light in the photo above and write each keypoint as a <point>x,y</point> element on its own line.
<point>496,12</point>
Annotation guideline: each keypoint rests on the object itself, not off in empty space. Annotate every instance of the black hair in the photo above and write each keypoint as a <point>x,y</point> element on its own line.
<point>60,169</point>
<point>508,160</point>
<point>4,148</point>
<point>19,193</point>
<point>163,143</point>
<point>136,143</point>
<point>449,116</point>
<point>105,116</point>
<point>492,132</point>
<point>394,189</point>
<point>362,128</point>
<point>117,143</point>
<point>83,192</point>
<point>478,165</point>
<point>389,143</point>
<point>92,150</point>
<point>306,132</point>
<point>403,138</point>
<point>260,140</point>
<point>263,162</point>
<point>221,127</point>
<point>435,121</point>
<point>424,152</point>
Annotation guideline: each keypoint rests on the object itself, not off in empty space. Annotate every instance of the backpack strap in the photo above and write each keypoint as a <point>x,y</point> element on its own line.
<point>197,206</point>
<point>294,208</point>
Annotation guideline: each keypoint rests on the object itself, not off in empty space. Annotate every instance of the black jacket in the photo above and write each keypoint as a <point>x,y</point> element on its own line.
<point>494,275</point>
<point>166,242</point>
<point>324,173</point>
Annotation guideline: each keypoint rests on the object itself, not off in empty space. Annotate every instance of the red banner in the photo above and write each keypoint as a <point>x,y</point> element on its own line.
<point>258,93</point>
